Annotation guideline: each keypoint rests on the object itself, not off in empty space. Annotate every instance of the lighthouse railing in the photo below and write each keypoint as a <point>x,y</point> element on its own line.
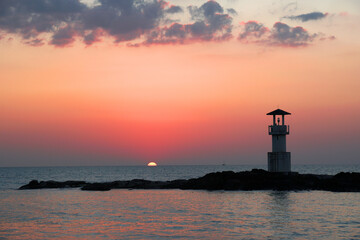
<point>278,129</point>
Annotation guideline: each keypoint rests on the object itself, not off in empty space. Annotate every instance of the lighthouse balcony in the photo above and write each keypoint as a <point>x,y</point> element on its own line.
<point>279,129</point>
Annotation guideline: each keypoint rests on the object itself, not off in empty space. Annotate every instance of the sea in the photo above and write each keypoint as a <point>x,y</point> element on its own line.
<point>171,214</point>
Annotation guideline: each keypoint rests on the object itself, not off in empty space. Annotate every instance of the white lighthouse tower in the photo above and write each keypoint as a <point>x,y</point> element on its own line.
<point>279,159</point>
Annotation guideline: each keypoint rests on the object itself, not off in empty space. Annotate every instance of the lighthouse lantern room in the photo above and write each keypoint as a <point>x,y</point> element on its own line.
<point>279,159</point>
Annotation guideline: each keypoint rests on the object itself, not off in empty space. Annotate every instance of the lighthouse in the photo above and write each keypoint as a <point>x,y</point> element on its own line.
<point>279,158</point>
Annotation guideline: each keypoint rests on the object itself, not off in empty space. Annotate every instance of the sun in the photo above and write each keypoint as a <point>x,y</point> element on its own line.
<point>152,164</point>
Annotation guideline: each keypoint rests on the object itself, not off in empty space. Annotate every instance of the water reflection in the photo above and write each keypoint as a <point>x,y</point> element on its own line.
<point>280,212</point>
<point>168,214</point>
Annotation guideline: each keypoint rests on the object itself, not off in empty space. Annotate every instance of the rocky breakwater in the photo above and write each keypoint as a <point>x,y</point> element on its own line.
<point>35,184</point>
<point>249,180</point>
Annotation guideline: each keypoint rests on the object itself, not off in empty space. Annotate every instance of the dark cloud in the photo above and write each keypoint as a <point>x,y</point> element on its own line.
<point>308,16</point>
<point>11,7</point>
<point>284,35</point>
<point>206,10</point>
<point>30,18</point>
<point>93,36</point>
<point>63,37</point>
<point>252,31</point>
<point>64,20</point>
<point>124,20</point>
<point>232,11</point>
<point>137,22</point>
<point>210,24</point>
<point>174,9</point>
<point>281,34</point>
<point>35,42</point>
<point>176,30</point>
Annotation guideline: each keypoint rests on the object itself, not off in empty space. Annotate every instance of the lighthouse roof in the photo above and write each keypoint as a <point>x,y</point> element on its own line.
<point>278,112</point>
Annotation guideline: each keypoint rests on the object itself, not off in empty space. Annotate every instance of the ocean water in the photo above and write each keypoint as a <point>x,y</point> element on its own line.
<point>171,214</point>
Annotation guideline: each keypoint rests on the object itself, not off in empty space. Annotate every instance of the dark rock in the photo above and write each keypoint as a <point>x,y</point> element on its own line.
<point>34,184</point>
<point>97,187</point>
<point>256,179</point>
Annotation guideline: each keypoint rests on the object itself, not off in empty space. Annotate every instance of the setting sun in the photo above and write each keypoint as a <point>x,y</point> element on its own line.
<point>152,164</point>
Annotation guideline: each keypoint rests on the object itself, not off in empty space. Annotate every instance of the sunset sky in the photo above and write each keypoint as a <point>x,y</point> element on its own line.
<point>177,82</point>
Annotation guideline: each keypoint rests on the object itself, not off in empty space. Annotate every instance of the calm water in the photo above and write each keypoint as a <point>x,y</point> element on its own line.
<point>169,214</point>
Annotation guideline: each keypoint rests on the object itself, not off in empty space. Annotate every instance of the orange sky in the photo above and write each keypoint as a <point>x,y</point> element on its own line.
<point>195,103</point>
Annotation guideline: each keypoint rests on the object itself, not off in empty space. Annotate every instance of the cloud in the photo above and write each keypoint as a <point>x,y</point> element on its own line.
<point>232,11</point>
<point>64,36</point>
<point>30,18</point>
<point>252,31</point>
<point>93,36</point>
<point>210,24</point>
<point>308,16</point>
<point>284,35</point>
<point>137,22</point>
<point>61,21</point>
<point>280,34</point>
<point>174,9</point>
<point>35,42</point>
<point>124,20</point>
<point>206,10</point>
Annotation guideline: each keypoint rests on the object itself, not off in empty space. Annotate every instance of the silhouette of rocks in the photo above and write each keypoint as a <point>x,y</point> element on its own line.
<point>133,184</point>
<point>256,179</point>
<point>34,184</point>
<point>97,187</point>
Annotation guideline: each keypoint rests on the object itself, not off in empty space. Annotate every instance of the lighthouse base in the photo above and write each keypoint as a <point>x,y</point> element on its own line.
<point>279,162</point>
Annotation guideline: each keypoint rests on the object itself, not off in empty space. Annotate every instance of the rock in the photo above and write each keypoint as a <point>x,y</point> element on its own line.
<point>256,179</point>
<point>97,187</point>
<point>34,184</point>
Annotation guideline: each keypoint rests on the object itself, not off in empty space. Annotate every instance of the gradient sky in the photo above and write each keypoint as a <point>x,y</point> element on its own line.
<point>180,82</point>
